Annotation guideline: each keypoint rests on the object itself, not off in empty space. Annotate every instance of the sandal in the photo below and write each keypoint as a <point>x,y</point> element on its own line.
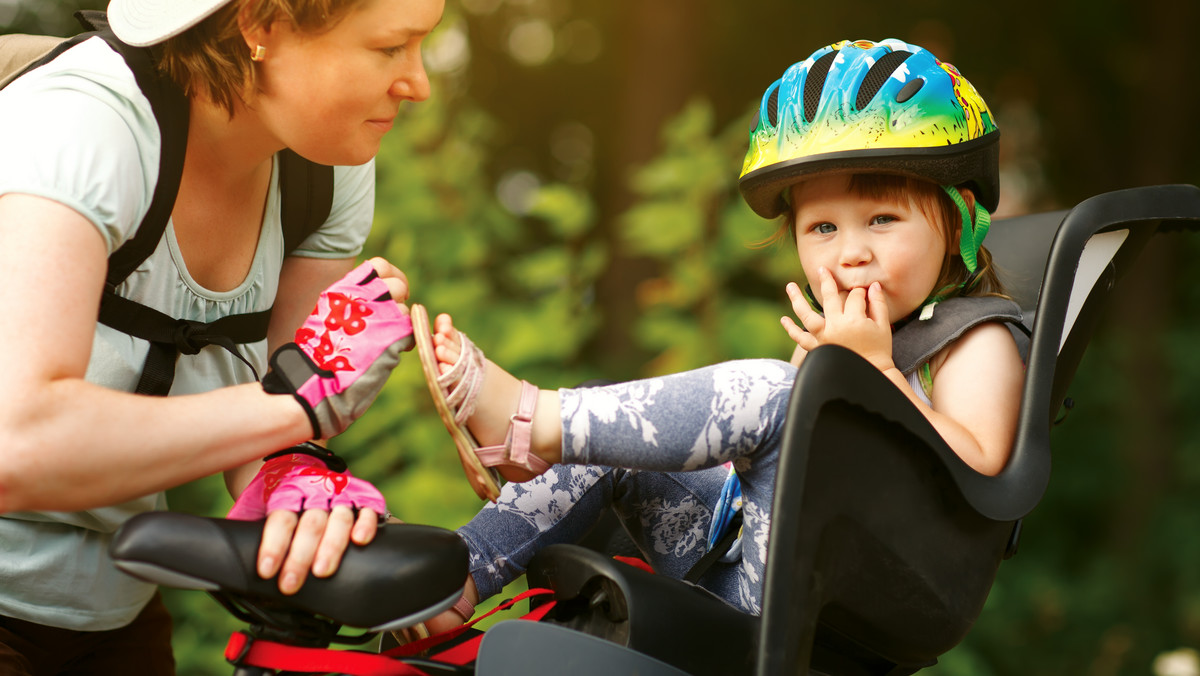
<point>420,632</point>
<point>454,396</point>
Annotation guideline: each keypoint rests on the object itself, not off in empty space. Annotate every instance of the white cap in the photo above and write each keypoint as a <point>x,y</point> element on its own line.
<point>146,22</point>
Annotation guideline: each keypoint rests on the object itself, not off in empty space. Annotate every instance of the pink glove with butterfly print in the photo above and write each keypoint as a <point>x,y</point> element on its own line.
<point>343,353</point>
<point>300,481</point>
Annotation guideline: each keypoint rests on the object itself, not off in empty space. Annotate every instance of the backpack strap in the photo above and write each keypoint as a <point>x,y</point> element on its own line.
<point>305,196</point>
<point>171,112</point>
<point>19,53</point>
<point>169,337</point>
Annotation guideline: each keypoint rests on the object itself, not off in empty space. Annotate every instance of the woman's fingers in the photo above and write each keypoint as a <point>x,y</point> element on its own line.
<point>302,550</point>
<point>396,280</point>
<point>276,538</point>
<point>333,541</point>
<point>315,540</point>
<point>365,526</point>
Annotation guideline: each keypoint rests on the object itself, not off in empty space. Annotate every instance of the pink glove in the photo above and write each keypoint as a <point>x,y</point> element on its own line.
<point>297,482</point>
<point>343,353</point>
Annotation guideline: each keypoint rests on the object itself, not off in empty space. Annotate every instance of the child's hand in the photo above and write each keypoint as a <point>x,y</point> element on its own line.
<point>860,323</point>
<point>810,320</point>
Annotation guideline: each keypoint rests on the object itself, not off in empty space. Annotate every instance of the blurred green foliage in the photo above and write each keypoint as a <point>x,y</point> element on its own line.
<point>629,253</point>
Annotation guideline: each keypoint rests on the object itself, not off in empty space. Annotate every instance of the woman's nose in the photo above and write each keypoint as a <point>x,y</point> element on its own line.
<point>413,83</point>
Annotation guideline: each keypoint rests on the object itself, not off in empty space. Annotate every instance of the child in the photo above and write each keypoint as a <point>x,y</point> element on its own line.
<point>881,157</point>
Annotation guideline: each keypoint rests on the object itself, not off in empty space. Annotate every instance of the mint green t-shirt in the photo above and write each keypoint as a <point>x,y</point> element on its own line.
<point>80,132</point>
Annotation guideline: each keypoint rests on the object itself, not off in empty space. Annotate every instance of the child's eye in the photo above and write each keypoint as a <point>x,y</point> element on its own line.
<point>882,219</point>
<point>826,228</point>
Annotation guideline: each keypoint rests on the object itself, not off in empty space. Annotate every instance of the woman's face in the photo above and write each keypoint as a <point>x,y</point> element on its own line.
<point>331,96</point>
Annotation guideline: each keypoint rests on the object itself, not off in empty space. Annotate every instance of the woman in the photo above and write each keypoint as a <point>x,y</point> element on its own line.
<point>79,153</point>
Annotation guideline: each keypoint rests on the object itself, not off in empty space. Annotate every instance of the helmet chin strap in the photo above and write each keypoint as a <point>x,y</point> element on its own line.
<point>974,229</point>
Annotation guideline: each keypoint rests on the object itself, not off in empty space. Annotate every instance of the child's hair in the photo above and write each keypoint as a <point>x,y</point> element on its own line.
<point>212,58</point>
<point>937,206</point>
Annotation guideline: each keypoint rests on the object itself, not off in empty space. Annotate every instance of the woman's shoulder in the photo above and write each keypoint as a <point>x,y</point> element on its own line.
<point>85,137</point>
<point>90,68</point>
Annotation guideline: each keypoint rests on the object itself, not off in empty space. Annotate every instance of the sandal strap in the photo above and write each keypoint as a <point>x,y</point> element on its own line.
<point>515,449</point>
<point>464,607</point>
<point>464,380</point>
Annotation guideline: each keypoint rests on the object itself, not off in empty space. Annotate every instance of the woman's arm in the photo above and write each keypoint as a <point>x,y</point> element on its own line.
<point>300,282</point>
<point>66,444</point>
<point>294,543</point>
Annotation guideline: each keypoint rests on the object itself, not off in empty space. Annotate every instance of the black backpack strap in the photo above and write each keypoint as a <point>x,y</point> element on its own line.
<point>306,197</point>
<point>169,337</point>
<point>171,112</point>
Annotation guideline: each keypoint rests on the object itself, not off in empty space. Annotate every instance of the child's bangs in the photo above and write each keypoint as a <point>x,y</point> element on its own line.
<point>925,195</point>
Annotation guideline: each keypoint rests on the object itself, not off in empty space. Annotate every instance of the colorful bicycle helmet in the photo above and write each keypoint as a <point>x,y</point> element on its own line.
<point>880,106</point>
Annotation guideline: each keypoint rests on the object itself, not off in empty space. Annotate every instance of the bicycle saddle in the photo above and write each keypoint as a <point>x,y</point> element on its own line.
<point>407,574</point>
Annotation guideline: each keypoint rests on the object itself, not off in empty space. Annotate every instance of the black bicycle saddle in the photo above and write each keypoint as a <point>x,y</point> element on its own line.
<point>407,574</point>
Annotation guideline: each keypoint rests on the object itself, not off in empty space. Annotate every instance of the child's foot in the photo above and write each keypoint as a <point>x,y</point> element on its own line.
<point>497,402</point>
<point>456,616</point>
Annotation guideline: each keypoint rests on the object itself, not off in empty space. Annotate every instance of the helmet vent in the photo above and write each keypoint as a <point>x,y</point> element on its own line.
<point>773,108</point>
<point>879,74</point>
<point>910,89</point>
<point>815,83</point>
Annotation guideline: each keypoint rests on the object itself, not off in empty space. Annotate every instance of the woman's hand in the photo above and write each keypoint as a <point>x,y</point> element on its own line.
<point>860,323</point>
<point>345,350</point>
<point>309,500</point>
<point>292,543</point>
<point>394,278</point>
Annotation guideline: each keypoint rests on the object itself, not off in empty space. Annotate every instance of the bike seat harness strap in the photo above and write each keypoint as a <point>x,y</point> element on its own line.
<point>244,650</point>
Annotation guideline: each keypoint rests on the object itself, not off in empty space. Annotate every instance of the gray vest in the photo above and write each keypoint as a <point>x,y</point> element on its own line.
<point>918,340</point>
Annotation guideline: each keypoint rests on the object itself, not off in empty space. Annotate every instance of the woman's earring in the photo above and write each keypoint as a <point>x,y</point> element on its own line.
<point>259,53</point>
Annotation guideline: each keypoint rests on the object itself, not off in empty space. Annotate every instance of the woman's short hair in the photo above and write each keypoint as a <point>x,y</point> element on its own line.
<point>212,57</point>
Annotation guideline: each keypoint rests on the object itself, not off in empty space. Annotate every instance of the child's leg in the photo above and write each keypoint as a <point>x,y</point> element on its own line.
<point>706,417</point>
<point>731,412</point>
<point>667,516</point>
<point>699,419</point>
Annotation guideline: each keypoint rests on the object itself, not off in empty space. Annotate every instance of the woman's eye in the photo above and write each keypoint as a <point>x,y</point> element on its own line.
<point>882,219</point>
<point>392,51</point>
<point>825,228</point>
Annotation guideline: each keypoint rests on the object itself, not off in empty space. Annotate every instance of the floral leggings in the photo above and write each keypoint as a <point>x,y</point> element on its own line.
<point>654,450</point>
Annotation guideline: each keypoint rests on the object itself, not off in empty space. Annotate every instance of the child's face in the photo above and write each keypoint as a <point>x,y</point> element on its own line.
<point>863,240</point>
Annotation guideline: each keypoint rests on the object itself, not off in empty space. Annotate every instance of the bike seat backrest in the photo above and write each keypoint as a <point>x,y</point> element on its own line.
<point>1019,248</point>
<point>1095,244</point>
<point>408,571</point>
